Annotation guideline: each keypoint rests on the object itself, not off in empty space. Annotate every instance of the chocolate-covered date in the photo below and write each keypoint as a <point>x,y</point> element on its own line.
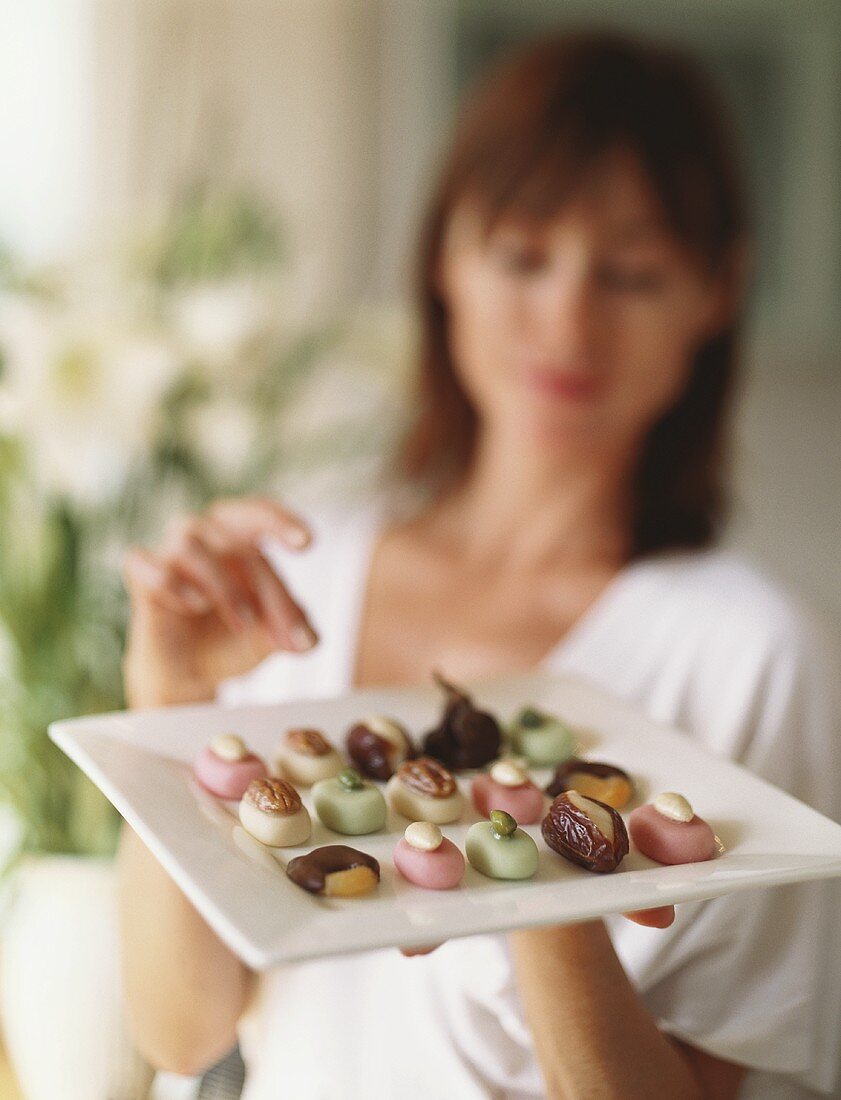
<point>585,831</point>
<point>377,746</point>
<point>334,870</point>
<point>465,737</point>
<point>602,782</point>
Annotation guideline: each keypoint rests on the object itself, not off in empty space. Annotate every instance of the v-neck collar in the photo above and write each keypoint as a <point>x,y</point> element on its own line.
<point>372,520</point>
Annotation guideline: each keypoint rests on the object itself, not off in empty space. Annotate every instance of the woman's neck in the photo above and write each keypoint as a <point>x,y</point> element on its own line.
<point>525,507</point>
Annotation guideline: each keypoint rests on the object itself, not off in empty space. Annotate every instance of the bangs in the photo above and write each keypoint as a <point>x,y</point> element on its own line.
<point>539,135</point>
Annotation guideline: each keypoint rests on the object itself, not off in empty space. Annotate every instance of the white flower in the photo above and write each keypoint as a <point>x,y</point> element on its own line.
<point>224,434</point>
<point>215,321</point>
<point>84,391</point>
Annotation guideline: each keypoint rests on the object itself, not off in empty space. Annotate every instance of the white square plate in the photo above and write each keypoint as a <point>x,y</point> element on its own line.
<point>141,761</point>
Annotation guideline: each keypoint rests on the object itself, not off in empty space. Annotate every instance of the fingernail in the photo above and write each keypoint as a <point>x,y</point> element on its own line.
<point>303,637</point>
<point>298,536</point>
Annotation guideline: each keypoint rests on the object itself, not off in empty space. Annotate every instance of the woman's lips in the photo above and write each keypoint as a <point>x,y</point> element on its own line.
<point>568,385</point>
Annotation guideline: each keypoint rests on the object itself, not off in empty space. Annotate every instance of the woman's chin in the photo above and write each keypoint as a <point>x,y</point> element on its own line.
<point>575,430</point>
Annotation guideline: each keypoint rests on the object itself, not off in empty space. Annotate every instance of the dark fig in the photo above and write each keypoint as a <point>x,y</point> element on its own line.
<point>466,737</point>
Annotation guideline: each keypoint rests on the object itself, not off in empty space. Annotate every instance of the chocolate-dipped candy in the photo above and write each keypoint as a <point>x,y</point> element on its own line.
<point>669,831</point>
<point>424,856</point>
<point>225,767</point>
<point>272,812</point>
<point>507,787</point>
<point>499,849</point>
<point>335,871</point>
<point>349,804</point>
<point>466,737</point>
<point>541,737</point>
<point>305,756</point>
<point>424,790</point>
<point>378,746</point>
<point>586,831</point>
<point>603,782</point>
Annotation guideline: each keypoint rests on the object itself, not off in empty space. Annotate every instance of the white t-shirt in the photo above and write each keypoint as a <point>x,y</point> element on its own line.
<point>700,641</point>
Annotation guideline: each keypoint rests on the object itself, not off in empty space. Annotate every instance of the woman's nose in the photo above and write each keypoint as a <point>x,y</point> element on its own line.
<point>566,313</point>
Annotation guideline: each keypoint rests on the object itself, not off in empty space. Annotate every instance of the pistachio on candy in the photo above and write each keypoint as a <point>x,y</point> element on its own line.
<point>586,831</point>
<point>465,737</point>
<point>497,848</point>
<point>377,746</point>
<point>603,782</point>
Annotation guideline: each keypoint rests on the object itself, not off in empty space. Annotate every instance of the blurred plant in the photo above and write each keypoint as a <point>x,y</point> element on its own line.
<point>133,384</point>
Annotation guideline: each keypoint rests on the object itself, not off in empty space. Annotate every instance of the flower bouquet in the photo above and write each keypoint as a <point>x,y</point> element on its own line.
<point>142,381</point>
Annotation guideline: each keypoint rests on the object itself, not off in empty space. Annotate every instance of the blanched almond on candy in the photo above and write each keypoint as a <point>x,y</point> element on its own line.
<point>508,774</point>
<point>228,746</point>
<point>424,836</point>
<point>673,806</point>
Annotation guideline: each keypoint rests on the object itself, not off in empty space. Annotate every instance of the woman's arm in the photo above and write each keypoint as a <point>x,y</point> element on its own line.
<point>185,990</point>
<point>593,1035</point>
<point>206,605</point>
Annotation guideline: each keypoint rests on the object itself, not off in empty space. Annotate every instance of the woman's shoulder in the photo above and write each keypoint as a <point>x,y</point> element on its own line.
<point>755,670</point>
<point>725,592</point>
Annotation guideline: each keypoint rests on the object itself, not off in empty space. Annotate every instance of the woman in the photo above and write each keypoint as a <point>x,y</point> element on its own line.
<point>580,290</point>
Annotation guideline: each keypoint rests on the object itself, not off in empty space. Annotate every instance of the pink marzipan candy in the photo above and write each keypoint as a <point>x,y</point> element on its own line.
<point>227,778</point>
<point>667,841</point>
<point>440,869</point>
<point>525,803</point>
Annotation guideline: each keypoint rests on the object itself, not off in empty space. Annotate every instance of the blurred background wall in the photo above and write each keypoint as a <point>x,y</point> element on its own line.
<point>333,111</point>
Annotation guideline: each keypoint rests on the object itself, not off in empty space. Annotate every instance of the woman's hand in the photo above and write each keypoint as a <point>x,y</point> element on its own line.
<point>206,604</point>
<point>661,917</point>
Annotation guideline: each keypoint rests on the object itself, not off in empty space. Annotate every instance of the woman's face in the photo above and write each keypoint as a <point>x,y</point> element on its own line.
<point>580,332</point>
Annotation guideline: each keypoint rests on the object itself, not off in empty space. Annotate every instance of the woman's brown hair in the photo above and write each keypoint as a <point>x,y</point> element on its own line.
<point>525,139</point>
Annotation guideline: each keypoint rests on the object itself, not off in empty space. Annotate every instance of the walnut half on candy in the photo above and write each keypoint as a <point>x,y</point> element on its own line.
<point>306,756</point>
<point>272,812</point>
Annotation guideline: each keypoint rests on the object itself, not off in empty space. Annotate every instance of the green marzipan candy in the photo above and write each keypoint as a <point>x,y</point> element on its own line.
<point>504,857</point>
<point>353,811</point>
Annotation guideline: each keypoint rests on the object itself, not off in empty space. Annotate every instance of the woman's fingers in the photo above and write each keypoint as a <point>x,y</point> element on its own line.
<point>661,917</point>
<point>284,619</point>
<point>251,517</point>
<point>143,570</point>
<point>410,951</point>
<point>207,561</point>
<point>204,565</point>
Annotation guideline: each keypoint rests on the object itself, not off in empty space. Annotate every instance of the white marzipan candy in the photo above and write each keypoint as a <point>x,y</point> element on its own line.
<point>275,830</point>
<point>227,746</point>
<point>419,807</point>
<point>508,774</point>
<point>423,835</point>
<point>673,806</point>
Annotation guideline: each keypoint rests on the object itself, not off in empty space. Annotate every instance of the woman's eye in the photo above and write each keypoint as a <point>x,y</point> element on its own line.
<point>641,279</point>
